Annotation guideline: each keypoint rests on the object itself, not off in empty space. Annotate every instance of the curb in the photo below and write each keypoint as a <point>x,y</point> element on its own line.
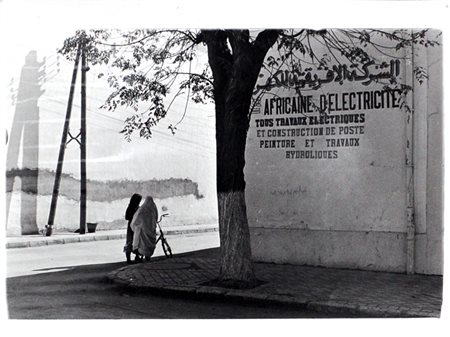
<point>187,285</point>
<point>97,237</point>
<point>214,293</point>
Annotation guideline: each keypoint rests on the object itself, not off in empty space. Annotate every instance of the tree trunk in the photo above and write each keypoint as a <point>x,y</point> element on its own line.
<point>235,73</point>
<point>236,266</point>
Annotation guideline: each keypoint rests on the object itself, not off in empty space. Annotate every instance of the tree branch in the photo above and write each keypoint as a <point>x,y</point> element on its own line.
<point>239,39</point>
<point>196,75</point>
<point>219,56</point>
<point>266,39</point>
<point>186,34</point>
<point>282,33</point>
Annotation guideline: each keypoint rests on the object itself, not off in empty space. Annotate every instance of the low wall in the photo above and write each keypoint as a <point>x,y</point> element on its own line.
<point>29,214</point>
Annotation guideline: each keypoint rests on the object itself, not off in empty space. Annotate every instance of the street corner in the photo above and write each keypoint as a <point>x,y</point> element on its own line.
<point>120,276</point>
<point>177,274</point>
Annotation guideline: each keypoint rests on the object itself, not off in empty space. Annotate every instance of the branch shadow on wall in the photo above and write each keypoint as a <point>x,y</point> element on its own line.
<point>23,143</point>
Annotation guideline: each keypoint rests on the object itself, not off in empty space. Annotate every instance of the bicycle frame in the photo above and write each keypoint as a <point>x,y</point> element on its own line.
<point>165,245</point>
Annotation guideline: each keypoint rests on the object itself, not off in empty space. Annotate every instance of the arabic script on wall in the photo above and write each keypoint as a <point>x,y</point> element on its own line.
<point>318,126</point>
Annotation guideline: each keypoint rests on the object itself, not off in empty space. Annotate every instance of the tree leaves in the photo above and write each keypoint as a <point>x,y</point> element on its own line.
<point>142,66</point>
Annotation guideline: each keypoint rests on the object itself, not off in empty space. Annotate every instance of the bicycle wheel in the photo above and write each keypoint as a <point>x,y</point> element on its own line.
<point>166,248</point>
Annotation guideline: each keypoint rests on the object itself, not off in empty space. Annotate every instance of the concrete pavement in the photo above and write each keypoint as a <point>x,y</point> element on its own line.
<point>365,293</point>
<point>38,240</point>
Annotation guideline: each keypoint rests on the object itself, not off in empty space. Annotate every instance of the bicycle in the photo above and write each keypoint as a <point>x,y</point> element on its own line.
<point>165,245</point>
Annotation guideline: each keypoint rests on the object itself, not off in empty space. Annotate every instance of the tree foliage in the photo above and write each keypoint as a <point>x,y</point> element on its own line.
<point>145,66</point>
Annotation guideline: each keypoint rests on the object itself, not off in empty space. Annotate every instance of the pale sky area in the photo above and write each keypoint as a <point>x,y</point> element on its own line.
<point>190,153</point>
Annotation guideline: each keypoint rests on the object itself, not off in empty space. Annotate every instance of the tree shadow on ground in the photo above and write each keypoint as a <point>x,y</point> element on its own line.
<point>85,292</point>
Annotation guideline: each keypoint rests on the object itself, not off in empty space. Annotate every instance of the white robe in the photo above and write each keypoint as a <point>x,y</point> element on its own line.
<point>144,228</point>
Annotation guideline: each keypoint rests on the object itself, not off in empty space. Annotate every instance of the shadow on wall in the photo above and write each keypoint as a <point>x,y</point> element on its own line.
<point>24,140</point>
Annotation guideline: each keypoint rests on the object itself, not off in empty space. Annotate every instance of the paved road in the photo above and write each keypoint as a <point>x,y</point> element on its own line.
<point>28,261</point>
<point>68,282</point>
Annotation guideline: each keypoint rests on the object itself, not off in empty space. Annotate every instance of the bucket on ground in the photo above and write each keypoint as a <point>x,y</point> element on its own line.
<point>91,227</point>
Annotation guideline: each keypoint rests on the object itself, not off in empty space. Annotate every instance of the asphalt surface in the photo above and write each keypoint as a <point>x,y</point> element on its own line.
<point>56,257</point>
<point>84,292</point>
<point>67,275</point>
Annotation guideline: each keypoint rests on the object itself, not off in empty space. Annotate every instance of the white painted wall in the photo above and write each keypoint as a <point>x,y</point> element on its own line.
<point>350,211</point>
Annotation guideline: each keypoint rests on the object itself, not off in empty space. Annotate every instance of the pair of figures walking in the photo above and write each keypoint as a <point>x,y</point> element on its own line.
<point>141,229</point>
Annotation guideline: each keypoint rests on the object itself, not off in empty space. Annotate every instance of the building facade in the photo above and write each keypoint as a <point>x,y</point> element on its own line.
<point>343,173</point>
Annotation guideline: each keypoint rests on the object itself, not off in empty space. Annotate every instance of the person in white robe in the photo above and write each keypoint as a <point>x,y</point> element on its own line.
<point>144,228</point>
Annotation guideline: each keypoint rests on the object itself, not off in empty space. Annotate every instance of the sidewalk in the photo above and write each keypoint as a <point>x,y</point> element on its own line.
<point>352,292</point>
<point>38,240</point>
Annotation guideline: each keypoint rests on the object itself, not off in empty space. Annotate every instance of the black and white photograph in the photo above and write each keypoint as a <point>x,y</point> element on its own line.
<point>204,170</point>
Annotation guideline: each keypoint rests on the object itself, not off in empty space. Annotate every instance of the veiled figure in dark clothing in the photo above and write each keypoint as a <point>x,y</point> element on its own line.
<point>133,206</point>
